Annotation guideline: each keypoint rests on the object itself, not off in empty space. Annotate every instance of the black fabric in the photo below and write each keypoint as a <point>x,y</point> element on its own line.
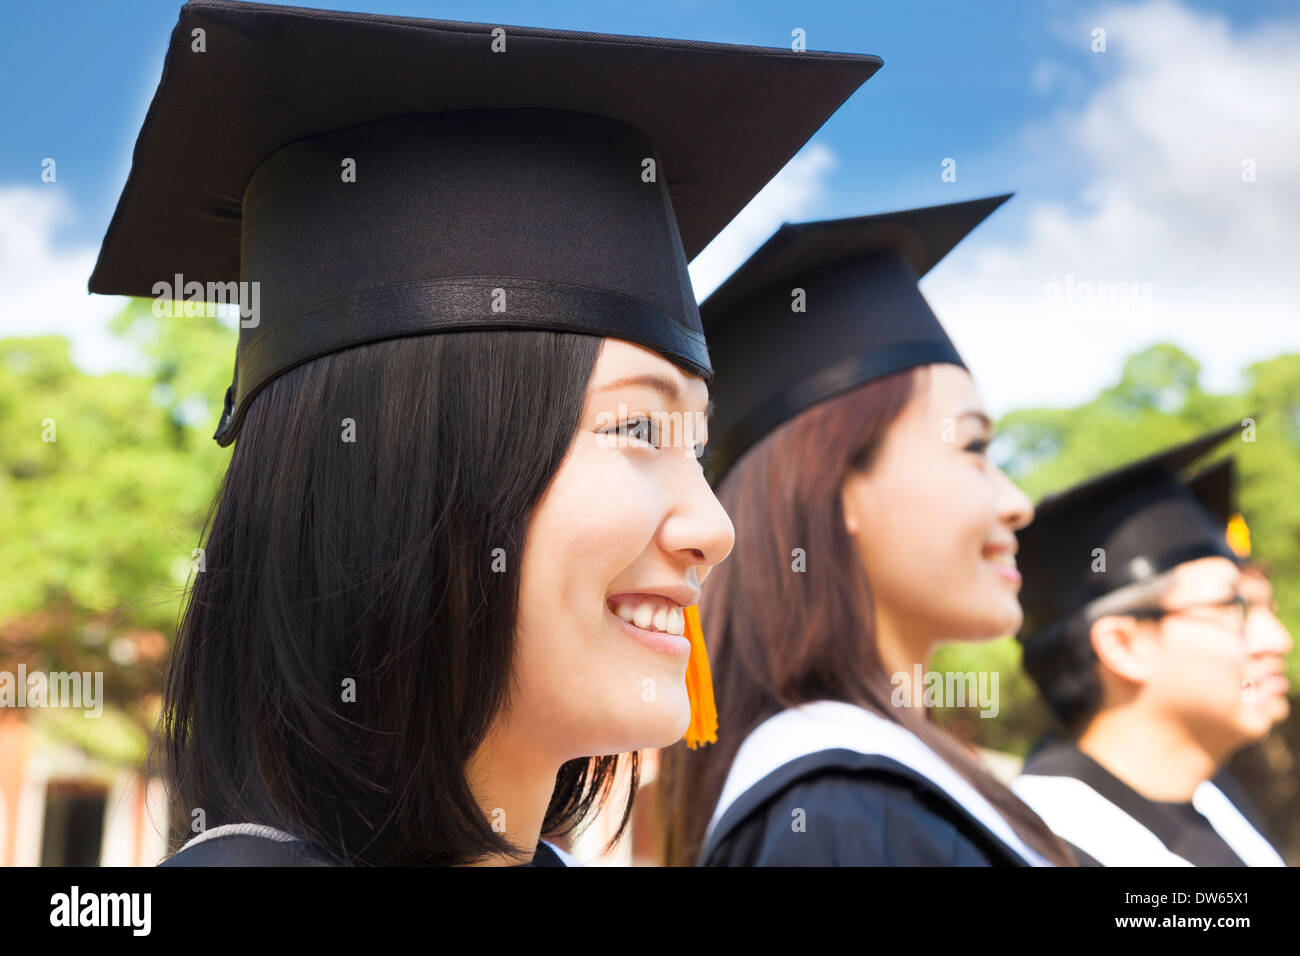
<point>521,170</point>
<point>1146,519</point>
<point>247,850</point>
<point>1176,824</point>
<point>1215,487</point>
<point>527,219</point>
<point>1236,793</point>
<point>859,810</point>
<point>864,317</point>
<point>1081,858</point>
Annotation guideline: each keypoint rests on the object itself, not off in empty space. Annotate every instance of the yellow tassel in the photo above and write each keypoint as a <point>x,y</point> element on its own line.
<point>1238,536</point>
<point>699,686</point>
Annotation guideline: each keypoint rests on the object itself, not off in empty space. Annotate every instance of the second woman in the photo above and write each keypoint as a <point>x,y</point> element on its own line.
<point>871,527</point>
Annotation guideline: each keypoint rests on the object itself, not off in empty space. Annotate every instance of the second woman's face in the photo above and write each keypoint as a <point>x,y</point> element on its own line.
<point>617,547</point>
<point>934,521</point>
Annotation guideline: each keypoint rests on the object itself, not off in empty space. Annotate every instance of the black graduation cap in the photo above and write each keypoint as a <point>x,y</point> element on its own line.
<point>1215,486</point>
<point>862,316</point>
<point>504,177</point>
<point>1145,518</point>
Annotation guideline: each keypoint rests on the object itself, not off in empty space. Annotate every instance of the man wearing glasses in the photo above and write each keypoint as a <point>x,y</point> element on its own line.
<point>1160,655</point>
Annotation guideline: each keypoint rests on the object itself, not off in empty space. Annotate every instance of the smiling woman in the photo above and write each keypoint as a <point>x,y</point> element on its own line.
<point>447,573</point>
<point>408,642</point>
<point>870,527</point>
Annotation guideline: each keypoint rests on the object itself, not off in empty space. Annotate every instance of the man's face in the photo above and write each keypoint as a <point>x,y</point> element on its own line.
<point>1267,643</point>
<point>1202,673</point>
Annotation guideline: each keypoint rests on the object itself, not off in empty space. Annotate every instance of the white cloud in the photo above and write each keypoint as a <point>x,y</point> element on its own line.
<point>43,286</point>
<point>1161,143</point>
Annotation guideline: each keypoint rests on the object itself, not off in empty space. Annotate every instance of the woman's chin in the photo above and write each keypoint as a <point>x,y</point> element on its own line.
<point>976,623</point>
<point>669,724</point>
<point>1004,618</point>
<point>658,724</point>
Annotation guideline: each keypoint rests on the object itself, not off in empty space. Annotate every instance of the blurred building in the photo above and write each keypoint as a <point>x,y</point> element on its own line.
<point>60,806</point>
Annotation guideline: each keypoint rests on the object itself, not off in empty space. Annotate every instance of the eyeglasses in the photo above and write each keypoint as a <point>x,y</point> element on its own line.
<point>1237,605</point>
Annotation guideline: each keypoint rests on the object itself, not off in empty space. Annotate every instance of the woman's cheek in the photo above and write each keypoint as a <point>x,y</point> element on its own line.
<point>616,501</point>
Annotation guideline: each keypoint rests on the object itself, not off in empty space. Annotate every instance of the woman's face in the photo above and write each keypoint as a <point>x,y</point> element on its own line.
<point>934,523</point>
<point>628,529</point>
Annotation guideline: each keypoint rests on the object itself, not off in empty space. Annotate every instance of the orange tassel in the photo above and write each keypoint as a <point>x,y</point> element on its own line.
<point>699,686</point>
<point>1238,536</point>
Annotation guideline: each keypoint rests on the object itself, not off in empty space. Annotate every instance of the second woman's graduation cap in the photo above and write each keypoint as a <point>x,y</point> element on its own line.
<point>821,308</point>
<point>381,176</point>
<point>1145,519</point>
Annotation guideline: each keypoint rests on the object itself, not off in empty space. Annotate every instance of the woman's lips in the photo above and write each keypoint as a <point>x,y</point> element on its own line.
<point>1003,564</point>
<point>653,620</point>
<point>675,645</point>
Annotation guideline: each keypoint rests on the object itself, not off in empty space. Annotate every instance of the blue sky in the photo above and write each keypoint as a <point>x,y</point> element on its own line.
<point>1003,87</point>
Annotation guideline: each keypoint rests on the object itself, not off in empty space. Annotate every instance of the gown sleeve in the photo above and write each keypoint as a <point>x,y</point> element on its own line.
<point>847,818</point>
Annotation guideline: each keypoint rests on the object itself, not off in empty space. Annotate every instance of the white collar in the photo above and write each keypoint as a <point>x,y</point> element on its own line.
<point>1112,837</point>
<point>835,725</point>
<point>239,829</point>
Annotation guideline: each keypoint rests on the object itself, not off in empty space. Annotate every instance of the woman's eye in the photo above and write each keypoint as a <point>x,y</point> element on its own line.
<point>979,446</point>
<point>636,431</point>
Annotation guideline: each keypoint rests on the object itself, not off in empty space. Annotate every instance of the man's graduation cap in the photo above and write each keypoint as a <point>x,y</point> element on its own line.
<point>1143,517</point>
<point>383,176</point>
<point>1216,488</point>
<point>821,308</point>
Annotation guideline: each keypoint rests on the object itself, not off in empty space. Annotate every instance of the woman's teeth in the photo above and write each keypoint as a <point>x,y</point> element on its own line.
<point>652,615</point>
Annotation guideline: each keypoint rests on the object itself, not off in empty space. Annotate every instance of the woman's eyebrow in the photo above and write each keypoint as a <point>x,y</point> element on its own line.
<point>660,383</point>
<point>976,413</point>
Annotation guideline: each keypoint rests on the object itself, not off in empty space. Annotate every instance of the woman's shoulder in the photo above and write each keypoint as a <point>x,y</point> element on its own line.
<point>247,845</point>
<point>846,812</point>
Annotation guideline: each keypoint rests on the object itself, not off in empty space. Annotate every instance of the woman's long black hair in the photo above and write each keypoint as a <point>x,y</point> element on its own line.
<point>349,636</point>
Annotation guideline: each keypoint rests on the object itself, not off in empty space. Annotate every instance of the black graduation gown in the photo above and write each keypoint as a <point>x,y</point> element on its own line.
<point>873,797</point>
<point>242,849</point>
<point>1108,823</point>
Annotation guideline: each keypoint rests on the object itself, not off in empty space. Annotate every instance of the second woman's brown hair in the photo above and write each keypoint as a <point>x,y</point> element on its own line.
<point>777,640</point>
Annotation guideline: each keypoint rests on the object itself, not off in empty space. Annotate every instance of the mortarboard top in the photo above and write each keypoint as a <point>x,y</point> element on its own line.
<point>475,171</point>
<point>864,316</point>
<point>1145,518</point>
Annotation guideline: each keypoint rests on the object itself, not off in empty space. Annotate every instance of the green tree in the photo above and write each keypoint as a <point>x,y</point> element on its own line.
<point>105,483</point>
<point>1157,402</point>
